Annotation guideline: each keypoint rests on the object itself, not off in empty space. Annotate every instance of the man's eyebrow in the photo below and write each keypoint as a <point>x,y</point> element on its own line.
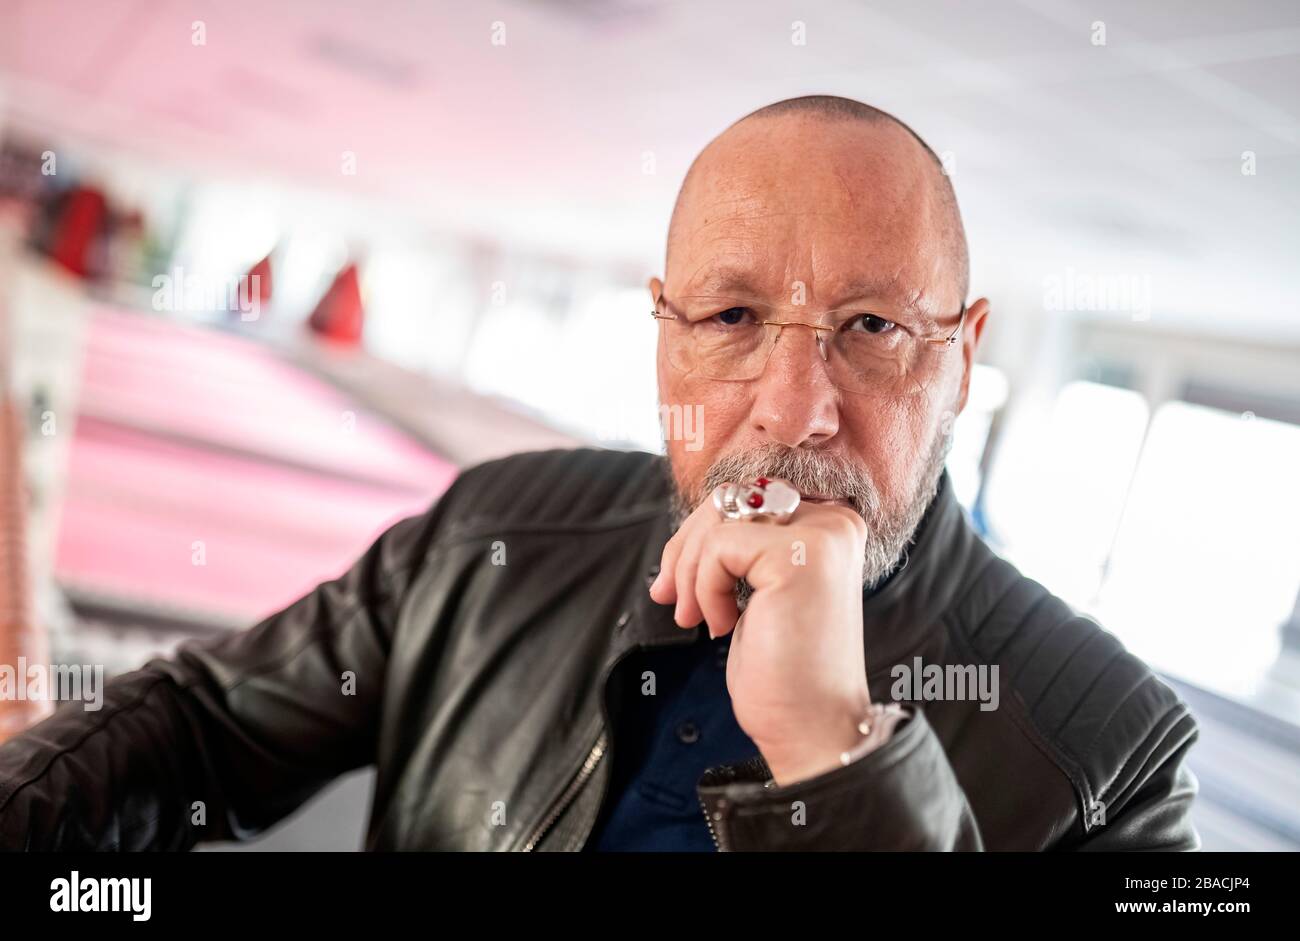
<point>876,288</point>
<point>886,290</point>
<point>721,281</point>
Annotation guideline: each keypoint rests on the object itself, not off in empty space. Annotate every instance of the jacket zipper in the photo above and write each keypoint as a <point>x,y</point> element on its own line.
<point>569,793</point>
<point>708,818</point>
<point>593,759</point>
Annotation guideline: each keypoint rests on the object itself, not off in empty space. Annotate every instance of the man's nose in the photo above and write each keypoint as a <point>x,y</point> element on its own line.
<point>795,401</point>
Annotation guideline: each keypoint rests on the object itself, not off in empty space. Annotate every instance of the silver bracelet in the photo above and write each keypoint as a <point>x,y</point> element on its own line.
<point>876,728</point>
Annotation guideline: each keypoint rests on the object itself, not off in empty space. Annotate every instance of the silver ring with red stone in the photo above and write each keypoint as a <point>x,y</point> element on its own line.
<point>767,498</point>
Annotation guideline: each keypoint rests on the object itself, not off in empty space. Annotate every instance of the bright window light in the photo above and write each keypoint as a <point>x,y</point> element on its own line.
<point>1057,506</point>
<point>970,433</point>
<point>591,374</point>
<point>1207,563</point>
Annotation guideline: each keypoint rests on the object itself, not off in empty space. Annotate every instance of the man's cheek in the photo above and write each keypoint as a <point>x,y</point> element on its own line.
<point>896,445</point>
<point>703,415</point>
<point>683,423</point>
<point>688,467</point>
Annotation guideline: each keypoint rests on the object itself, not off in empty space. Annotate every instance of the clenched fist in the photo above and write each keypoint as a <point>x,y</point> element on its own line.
<point>796,672</point>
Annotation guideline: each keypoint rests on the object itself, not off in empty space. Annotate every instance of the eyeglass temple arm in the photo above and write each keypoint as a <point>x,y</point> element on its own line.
<point>950,338</point>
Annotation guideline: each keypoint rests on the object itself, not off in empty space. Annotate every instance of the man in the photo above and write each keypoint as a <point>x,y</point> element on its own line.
<point>555,656</point>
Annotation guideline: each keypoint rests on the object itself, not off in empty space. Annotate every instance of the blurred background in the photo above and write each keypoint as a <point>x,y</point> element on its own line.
<point>270,274</point>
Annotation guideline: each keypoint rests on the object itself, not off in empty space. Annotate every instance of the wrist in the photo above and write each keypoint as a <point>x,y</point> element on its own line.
<point>876,728</point>
<point>848,738</point>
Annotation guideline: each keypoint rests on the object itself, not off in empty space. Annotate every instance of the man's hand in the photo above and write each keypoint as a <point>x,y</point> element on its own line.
<point>796,671</point>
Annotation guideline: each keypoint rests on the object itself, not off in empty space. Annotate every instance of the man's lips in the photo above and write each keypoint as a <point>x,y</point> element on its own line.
<point>823,498</point>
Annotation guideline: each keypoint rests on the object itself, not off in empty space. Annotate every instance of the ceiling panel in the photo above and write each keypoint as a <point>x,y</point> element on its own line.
<point>1061,146</point>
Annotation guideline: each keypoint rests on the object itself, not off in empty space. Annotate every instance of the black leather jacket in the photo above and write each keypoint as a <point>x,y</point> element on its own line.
<point>467,655</point>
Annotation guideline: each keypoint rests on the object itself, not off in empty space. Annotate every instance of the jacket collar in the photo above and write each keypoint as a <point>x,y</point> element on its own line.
<point>900,617</point>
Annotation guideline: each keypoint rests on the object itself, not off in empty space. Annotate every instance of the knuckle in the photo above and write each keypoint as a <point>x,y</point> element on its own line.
<point>850,522</point>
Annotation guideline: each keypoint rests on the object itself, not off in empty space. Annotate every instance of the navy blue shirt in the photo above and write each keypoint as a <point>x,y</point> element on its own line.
<point>664,743</point>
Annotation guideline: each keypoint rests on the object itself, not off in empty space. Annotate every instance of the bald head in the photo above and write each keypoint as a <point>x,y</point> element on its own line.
<point>823,154</point>
<point>833,107</point>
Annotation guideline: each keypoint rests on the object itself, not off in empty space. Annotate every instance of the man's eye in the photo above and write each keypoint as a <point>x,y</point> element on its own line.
<point>731,316</point>
<point>870,323</point>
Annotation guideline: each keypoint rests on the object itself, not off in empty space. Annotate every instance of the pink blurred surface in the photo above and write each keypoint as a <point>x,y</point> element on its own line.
<point>188,435</point>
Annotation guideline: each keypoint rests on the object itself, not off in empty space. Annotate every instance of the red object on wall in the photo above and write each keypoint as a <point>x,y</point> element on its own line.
<point>262,272</point>
<point>339,316</point>
<point>79,225</point>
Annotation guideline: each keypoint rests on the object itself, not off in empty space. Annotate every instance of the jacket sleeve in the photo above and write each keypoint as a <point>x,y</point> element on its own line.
<point>225,737</point>
<point>1148,806</point>
<point>903,795</point>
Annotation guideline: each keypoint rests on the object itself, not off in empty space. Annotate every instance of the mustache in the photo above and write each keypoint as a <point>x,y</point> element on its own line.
<point>891,524</point>
<point>809,471</point>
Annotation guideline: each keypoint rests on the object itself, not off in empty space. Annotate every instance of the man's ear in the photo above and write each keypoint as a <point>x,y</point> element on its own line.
<point>656,289</point>
<point>970,341</point>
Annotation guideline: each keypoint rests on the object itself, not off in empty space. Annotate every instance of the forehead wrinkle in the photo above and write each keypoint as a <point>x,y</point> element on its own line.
<point>753,218</point>
<point>740,264</point>
<point>742,230</point>
<point>711,278</point>
<point>846,187</point>
<point>899,216</point>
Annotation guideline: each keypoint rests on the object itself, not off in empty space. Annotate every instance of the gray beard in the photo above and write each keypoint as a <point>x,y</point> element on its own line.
<point>889,531</point>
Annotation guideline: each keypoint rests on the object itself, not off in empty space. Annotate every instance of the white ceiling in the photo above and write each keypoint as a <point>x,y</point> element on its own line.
<point>1105,159</point>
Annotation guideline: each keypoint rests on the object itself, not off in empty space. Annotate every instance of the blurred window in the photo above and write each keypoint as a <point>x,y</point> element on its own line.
<point>1174,527</point>
<point>1057,509</point>
<point>1206,564</point>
